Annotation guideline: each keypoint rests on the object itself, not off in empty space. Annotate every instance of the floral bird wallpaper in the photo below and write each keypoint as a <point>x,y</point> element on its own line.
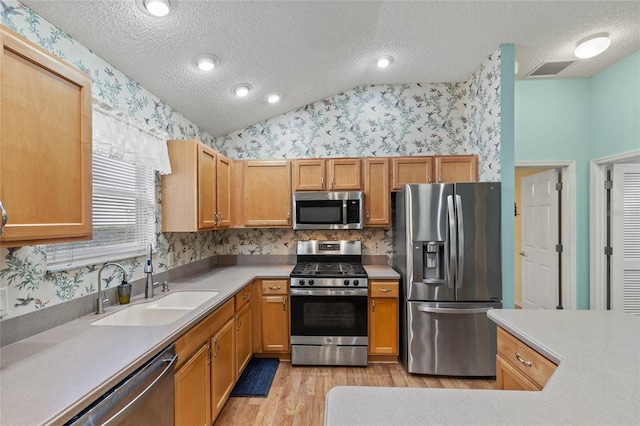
<point>381,120</point>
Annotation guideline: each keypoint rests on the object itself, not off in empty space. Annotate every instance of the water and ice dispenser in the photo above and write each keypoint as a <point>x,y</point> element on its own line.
<point>429,262</point>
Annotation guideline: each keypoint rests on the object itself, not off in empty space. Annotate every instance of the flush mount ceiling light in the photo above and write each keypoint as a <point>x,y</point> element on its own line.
<point>384,61</point>
<point>205,62</point>
<point>241,90</point>
<point>158,8</point>
<point>592,46</point>
<point>272,98</point>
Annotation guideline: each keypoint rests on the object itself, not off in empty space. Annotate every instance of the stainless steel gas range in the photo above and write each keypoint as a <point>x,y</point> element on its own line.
<point>329,316</point>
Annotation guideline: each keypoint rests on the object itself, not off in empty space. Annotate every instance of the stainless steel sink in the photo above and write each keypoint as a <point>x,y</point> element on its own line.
<point>159,312</point>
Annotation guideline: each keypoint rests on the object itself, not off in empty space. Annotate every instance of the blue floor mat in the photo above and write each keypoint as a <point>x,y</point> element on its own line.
<point>257,377</point>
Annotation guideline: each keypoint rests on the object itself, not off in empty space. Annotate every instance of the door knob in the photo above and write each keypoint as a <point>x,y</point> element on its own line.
<point>522,253</point>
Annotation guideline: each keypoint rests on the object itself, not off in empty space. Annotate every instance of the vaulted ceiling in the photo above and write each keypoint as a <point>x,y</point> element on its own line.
<point>310,50</point>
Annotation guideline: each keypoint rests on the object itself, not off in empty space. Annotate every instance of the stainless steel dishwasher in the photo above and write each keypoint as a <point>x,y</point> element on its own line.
<point>146,397</point>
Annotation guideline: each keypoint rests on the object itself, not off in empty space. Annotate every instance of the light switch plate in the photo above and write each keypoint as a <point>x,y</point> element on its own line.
<point>4,301</point>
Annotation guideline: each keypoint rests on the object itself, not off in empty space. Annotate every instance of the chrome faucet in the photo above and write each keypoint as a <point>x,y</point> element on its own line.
<point>148,269</point>
<point>102,298</point>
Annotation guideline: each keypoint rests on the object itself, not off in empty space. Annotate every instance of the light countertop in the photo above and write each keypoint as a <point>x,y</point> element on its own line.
<point>597,381</point>
<point>50,377</point>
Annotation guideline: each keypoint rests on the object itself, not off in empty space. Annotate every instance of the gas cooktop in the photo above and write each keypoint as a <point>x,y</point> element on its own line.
<point>328,269</point>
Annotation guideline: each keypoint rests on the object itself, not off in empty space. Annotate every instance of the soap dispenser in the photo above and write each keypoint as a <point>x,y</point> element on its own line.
<point>124,292</point>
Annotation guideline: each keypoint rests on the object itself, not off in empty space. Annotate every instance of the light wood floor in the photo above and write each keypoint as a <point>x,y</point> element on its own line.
<point>298,393</point>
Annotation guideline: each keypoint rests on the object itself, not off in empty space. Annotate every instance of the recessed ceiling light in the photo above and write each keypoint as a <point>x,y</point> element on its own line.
<point>273,98</point>
<point>592,46</point>
<point>241,90</point>
<point>157,7</point>
<point>205,62</point>
<point>384,61</point>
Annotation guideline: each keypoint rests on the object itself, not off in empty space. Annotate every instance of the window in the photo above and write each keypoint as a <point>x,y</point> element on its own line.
<point>123,217</point>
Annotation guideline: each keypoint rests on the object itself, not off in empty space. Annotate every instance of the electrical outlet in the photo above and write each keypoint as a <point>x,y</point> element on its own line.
<point>374,248</point>
<point>4,301</point>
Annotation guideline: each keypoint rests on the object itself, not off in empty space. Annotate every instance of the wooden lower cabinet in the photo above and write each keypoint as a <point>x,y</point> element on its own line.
<point>383,317</point>
<point>243,338</point>
<point>192,390</point>
<point>520,367</point>
<point>275,316</point>
<point>508,378</point>
<point>223,376</point>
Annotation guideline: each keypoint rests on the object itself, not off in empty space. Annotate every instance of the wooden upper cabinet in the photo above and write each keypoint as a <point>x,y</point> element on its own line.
<point>377,196</point>
<point>196,195</point>
<point>344,174</point>
<point>267,193</point>
<point>309,175</point>
<point>339,174</point>
<point>456,168</point>
<point>45,146</point>
<point>206,187</point>
<point>407,170</point>
<point>223,194</point>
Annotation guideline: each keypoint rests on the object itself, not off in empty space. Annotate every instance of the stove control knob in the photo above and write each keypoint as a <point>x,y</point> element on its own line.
<point>311,282</point>
<point>356,282</point>
<point>301,282</point>
<point>346,282</point>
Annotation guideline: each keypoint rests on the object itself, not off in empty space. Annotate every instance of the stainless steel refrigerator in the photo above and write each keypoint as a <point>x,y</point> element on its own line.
<point>446,240</point>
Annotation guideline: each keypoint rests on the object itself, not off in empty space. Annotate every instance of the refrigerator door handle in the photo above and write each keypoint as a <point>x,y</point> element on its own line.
<point>453,241</point>
<point>433,310</point>
<point>460,242</point>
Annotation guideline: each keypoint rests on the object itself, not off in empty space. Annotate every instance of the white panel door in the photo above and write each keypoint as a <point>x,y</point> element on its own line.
<point>625,233</point>
<point>539,238</point>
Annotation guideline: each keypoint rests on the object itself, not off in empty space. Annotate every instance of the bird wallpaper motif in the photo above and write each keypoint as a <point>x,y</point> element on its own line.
<point>371,120</point>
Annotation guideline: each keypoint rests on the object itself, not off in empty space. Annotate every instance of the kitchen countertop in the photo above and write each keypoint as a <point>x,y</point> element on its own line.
<point>597,380</point>
<point>50,377</point>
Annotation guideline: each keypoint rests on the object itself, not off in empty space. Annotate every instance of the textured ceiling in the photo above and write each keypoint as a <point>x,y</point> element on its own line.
<point>310,50</point>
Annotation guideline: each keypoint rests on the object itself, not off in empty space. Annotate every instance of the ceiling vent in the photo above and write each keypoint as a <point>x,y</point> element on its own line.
<point>550,69</point>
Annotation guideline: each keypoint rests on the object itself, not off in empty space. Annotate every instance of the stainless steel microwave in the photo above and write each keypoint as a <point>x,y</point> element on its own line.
<point>328,210</point>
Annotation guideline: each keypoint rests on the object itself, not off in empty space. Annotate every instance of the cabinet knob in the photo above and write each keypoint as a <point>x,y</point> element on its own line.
<point>322,182</point>
<point>288,217</point>
<point>384,290</point>
<point>4,217</point>
<point>373,305</point>
<point>332,182</point>
<point>284,304</point>
<point>274,287</point>
<point>368,216</point>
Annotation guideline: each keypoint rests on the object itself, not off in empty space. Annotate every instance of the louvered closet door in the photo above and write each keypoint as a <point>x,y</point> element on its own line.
<point>625,229</point>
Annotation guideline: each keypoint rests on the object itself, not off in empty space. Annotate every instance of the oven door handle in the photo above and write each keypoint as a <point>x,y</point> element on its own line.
<point>329,292</point>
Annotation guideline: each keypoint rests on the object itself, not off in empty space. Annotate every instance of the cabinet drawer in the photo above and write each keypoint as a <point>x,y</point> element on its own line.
<point>275,287</point>
<point>384,288</point>
<point>525,359</point>
<point>199,335</point>
<point>243,297</point>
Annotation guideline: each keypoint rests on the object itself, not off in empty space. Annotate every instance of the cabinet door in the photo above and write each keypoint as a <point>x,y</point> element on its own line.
<point>383,318</point>
<point>411,170</point>
<point>222,366</point>
<point>308,175</point>
<point>344,174</point>
<point>377,196</point>
<point>457,168</point>
<point>223,194</point>
<point>243,338</point>
<point>508,378</point>
<point>206,187</point>
<point>45,146</point>
<point>193,399</point>
<point>267,193</point>
<point>275,323</point>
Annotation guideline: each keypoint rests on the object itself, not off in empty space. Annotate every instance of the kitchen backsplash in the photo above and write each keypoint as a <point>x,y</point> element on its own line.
<point>382,120</point>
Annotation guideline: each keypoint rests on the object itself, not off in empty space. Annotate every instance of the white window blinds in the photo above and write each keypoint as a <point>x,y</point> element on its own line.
<point>123,217</point>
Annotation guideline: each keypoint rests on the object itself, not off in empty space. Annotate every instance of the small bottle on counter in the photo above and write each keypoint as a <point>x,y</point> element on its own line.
<point>124,293</point>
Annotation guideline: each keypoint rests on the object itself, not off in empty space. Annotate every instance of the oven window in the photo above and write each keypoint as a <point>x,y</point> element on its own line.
<point>312,212</point>
<point>328,315</point>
